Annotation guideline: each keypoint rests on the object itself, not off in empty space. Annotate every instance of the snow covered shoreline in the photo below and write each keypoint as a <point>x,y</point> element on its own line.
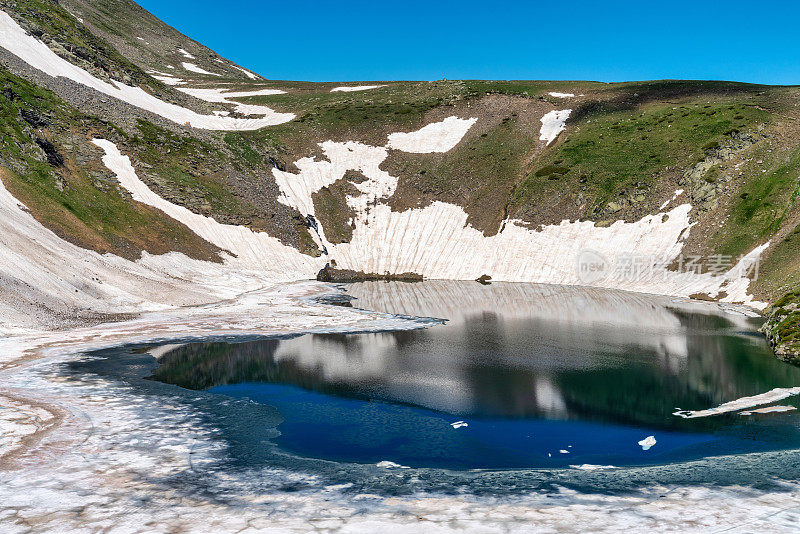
<point>128,462</point>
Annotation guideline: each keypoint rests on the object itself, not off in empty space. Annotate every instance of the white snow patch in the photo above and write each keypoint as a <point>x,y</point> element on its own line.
<point>185,54</point>
<point>168,79</point>
<point>553,123</point>
<point>678,193</point>
<point>773,395</point>
<point>246,72</point>
<point>199,70</point>
<point>351,88</point>
<point>218,95</point>
<point>561,95</point>
<point>34,52</point>
<point>647,442</point>
<point>435,137</point>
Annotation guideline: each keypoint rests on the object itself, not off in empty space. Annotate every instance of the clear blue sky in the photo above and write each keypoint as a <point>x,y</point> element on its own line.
<point>754,41</point>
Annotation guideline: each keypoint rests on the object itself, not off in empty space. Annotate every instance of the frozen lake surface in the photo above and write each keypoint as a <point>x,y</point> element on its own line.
<point>520,376</point>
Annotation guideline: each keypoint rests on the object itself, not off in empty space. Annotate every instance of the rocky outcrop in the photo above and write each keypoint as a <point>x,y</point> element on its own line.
<point>782,328</point>
<point>330,273</point>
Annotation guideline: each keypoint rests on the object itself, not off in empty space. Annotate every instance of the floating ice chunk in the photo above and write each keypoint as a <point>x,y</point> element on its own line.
<point>459,424</point>
<point>386,464</point>
<point>435,137</point>
<point>769,409</point>
<point>553,123</point>
<point>194,68</point>
<point>592,467</point>
<point>350,88</point>
<point>773,395</point>
<point>561,95</point>
<point>564,451</point>
<point>647,442</point>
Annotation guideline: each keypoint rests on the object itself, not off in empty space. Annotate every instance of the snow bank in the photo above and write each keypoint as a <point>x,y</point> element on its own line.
<point>351,88</point>
<point>248,250</point>
<point>34,52</point>
<point>199,70</point>
<point>51,278</point>
<point>435,137</point>
<point>185,54</point>
<point>219,95</point>
<point>561,95</point>
<point>436,241</point>
<point>553,123</point>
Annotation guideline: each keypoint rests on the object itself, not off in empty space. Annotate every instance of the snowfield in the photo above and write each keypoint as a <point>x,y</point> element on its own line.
<point>436,137</point>
<point>37,54</point>
<point>436,241</point>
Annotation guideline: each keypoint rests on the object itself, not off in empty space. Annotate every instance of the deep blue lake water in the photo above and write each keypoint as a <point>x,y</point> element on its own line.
<point>543,376</point>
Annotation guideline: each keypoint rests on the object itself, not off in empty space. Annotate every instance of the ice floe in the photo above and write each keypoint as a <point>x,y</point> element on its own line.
<point>39,56</point>
<point>435,137</point>
<point>459,424</point>
<point>773,395</point>
<point>647,443</point>
<point>553,123</point>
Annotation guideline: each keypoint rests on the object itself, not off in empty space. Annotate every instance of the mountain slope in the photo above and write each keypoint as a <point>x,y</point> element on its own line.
<point>448,179</point>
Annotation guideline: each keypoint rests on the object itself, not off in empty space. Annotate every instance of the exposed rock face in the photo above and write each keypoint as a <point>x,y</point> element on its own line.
<point>781,328</point>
